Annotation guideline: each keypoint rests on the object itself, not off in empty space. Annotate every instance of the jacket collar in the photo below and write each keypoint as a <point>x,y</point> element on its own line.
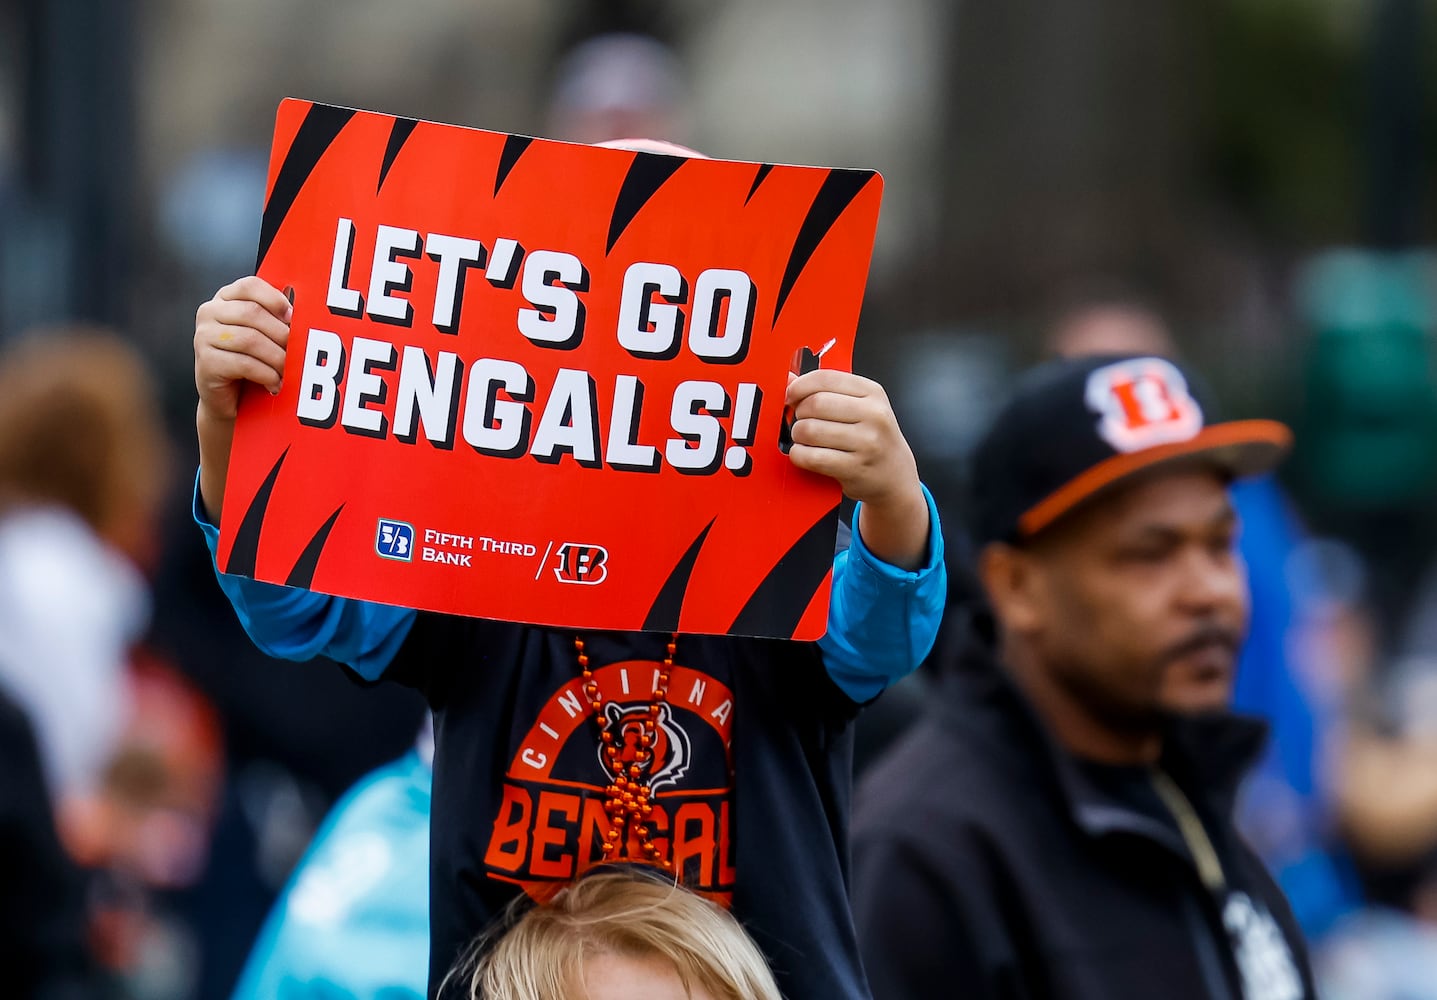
<point>1207,756</point>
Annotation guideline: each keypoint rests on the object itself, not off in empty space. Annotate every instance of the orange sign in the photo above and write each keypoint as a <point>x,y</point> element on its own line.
<point>543,382</point>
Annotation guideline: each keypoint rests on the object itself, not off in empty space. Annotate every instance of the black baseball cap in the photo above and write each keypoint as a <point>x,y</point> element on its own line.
<point>1077,427</point>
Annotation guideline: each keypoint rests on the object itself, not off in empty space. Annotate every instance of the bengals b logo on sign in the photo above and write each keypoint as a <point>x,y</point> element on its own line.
<point>579,563</point>
<point>1142,403</point>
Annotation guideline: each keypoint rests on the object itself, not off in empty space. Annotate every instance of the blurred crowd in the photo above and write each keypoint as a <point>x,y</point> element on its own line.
<point>162,778</point>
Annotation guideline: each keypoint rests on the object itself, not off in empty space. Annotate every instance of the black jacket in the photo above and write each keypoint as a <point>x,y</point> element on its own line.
<point>988,865</point>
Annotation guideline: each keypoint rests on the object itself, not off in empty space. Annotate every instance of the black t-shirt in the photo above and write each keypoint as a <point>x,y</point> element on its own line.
<point>519,782</point>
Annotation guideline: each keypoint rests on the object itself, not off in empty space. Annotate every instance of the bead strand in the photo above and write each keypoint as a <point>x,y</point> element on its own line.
<point>628,803</point>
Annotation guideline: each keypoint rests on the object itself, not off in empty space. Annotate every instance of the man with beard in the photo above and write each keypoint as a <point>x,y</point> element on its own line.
<point>1060,824</point>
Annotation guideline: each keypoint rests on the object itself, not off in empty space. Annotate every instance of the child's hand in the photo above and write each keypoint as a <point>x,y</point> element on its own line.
<point>844,427</point>
<point>240,336</point>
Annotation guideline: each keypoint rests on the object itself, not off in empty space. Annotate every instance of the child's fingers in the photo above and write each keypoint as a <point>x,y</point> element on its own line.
<point>837,407</point>
<point>834,436</point>
<point>220,367</point>
<point>250,314</point>
<point>824,461</point>
<point>257,290</point>
<point>829,380</point>
<point>248,341</point>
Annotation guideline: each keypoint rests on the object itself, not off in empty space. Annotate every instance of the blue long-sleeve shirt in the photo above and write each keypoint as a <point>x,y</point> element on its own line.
<point>882,620</point>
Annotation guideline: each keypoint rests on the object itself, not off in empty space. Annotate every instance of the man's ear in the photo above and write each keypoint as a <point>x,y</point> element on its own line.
<point>1014,584</point>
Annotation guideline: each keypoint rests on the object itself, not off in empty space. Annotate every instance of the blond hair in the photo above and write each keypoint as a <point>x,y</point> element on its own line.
<point>626,912</point>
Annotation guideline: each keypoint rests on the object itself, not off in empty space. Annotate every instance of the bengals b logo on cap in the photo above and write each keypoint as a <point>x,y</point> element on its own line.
<point>1075,427</point>
<point>1142,403</point>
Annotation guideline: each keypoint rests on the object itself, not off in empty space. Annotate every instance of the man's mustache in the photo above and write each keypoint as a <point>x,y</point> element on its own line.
<point>1203,638</point>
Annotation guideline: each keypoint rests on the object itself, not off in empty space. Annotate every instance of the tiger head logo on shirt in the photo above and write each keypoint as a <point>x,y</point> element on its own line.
<point>551,822</point>
<point>669,761</point>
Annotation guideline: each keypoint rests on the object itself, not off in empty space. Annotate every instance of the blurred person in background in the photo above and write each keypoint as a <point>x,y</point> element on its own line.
<point>619,85</point>
<point>616,934</point>
<point>82,468</point>
<point>1060,823</point>
<point>1386,804</point>
<point>82,472</point>
<point>146,836</point>
<point>353,922</point>
<point>1285,807</point>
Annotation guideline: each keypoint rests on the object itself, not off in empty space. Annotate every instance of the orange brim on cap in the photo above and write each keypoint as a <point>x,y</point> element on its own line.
<point>1240,447</point>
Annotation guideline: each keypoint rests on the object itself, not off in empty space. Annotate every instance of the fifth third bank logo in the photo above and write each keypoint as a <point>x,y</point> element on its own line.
<point>394,540</point>
<point>580,563</point>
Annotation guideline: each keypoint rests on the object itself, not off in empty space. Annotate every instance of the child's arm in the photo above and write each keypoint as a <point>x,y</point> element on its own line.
<point>889,588</point>
<point>844,427</point>
<point>240,336</point>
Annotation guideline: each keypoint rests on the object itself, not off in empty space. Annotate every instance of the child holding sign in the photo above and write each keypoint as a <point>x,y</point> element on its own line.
<point>725,760</point>
<point>722,760</point>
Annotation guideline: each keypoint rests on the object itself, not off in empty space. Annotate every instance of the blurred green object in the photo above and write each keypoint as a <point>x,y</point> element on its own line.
<point>1368,435</point>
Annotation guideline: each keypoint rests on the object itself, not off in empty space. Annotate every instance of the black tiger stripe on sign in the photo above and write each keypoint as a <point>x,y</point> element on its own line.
<point>321,125</point>
<point>303,572</point>
<point>663,614</point>
<point>245,550</point>
<point>839,189</point>
<point>763,171</point>
<point>398,136</point>
<point>514,146</point>
<point>777,605</point>
<point>646,175</point>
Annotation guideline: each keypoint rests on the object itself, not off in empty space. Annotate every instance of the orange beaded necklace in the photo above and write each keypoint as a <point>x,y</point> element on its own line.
<point>627,803</point>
